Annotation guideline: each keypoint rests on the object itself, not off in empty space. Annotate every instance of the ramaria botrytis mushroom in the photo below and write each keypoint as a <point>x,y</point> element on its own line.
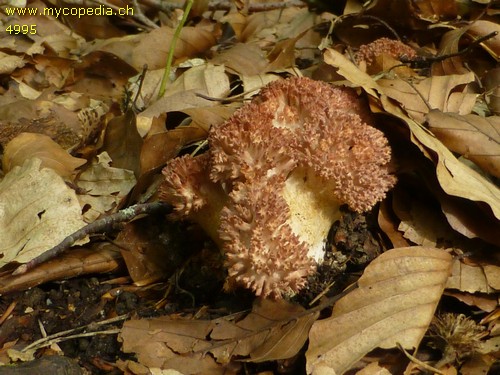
<point>272,182</point>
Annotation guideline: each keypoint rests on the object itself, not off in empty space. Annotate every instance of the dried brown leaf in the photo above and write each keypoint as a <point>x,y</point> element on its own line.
<point>389,225</point>
<point>31,145</point>
<point>450,45</point>
<point>474,137</point>
<point>437,92</point>
<point>37,211</point>
<point>244,59</point>
<point>105,187</point>
<point>9,63</point>
<point>422,220</point>
<point>471,278</point>
<point>485,302</point>
<point>205,79</point>
<point>154,46</point>
<point>350,71</point>
<point>394,303</point>
<point>272,330</point>
<point>280,330</point>
<point>142,244</point>
<point>123,143</point>
<point>98,259</point>
<point>455,178</point>
<point>491,81</point>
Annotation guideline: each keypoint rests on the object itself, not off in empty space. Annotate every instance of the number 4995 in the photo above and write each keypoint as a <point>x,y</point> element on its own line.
<point>21,29</point>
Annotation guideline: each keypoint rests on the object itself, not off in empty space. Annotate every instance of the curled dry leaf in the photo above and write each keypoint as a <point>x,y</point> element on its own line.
<point>102,258</point>
<point>37,211</point>
<point>395,302</point>
<point>475,137</point>
<point>32,145</point>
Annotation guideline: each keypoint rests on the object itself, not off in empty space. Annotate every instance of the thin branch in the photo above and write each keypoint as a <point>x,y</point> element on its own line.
<point>424,61</point>
<point>45,341</point>
<point>103,225</point>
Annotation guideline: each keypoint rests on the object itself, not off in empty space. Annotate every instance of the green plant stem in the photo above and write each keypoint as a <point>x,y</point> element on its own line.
<point>168,67</point>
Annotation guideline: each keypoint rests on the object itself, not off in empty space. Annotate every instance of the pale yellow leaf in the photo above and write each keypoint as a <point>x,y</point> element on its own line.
<point>394,303</point>
<point>37,211</point>
<point>9,63</point>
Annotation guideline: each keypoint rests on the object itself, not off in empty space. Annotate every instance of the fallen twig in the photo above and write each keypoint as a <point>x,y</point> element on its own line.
<point>65,335</point>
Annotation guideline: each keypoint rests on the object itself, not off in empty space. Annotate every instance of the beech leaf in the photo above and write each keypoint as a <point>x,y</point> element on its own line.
<point>272,330</point>
<point>30,145</point>
<point>37,211</point>
<point>455,177</point>
<point>476,138</point>
<point>436,92</point>
<point>395,302</point>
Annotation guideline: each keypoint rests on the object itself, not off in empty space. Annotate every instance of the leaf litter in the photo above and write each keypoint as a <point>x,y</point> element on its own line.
<point>84,134</point>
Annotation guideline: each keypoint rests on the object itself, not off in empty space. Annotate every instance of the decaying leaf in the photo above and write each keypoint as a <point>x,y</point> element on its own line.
<point>394,303</point>
<point>104,185</point>
<point>123,143</point>
<point>473,278</point>
<point>475,137</point>
<point>37,211</point>
<point>272,330</point>
<point>32,145</point>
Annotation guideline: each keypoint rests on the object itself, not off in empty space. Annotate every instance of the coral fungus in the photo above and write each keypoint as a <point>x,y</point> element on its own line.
<point>276,173</point>
<point>394,48</point>
<point>368,53</point>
